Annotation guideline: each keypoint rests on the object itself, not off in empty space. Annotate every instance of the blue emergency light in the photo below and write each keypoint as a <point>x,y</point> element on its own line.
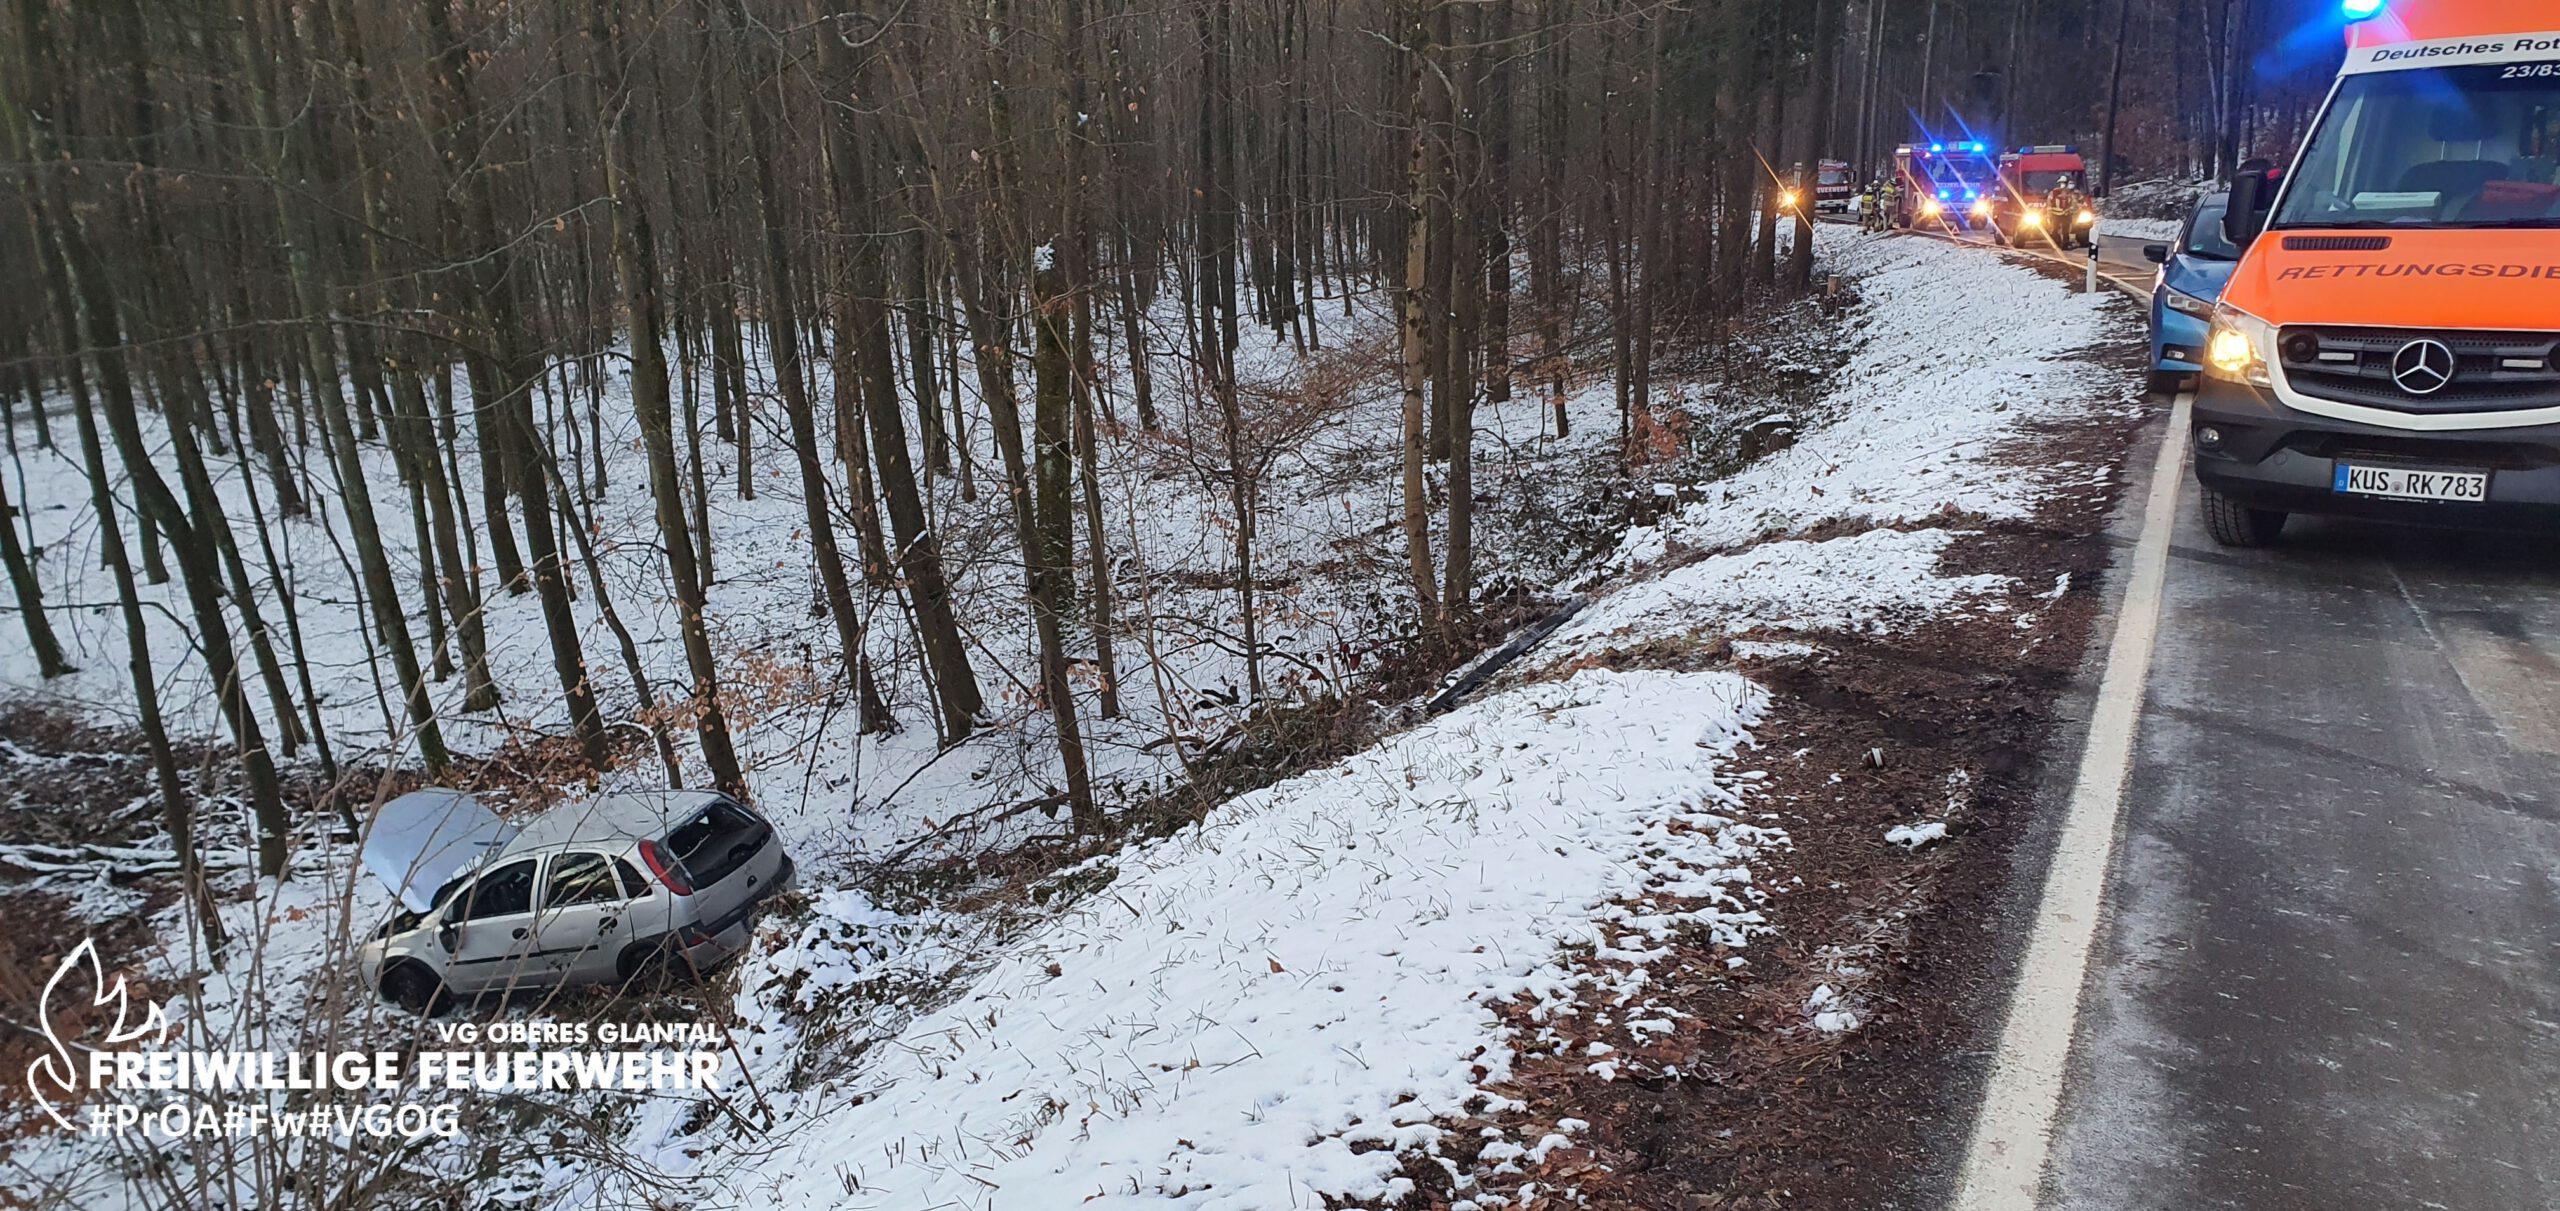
<point>2362,10</point>
<point>1937,147</point>
<point>1944,194</point>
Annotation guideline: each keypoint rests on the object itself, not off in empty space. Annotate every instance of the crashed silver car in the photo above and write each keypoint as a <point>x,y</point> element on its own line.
<point>610,890</point>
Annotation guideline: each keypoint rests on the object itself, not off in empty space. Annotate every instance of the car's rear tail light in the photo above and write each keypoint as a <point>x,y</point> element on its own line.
<point>668,870</point>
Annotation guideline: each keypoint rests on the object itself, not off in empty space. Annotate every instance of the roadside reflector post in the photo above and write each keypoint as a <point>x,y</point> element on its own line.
<point>2092,284</point>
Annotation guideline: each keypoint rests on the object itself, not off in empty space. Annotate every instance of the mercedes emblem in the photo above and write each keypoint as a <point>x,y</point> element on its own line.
<point>2422,367</point>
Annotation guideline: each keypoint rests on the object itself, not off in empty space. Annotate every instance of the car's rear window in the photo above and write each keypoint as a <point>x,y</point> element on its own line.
<point>716,840</point>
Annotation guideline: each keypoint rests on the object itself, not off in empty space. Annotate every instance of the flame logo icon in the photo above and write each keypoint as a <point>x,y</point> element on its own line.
<point>50,1074</point>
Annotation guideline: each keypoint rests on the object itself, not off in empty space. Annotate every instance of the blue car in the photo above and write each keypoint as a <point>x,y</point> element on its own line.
<point>2192,273</point>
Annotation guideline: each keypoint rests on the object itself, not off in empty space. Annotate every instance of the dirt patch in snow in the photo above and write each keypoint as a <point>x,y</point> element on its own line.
<point>1834,1063</point>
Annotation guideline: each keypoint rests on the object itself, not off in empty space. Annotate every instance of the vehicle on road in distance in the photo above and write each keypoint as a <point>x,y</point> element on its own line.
<point>2193,269</point>
<point>1833,186</point>
<point>2389,344</point>
<point>1944,185</point>
<point>613,889</point>
<point>2039,199</point>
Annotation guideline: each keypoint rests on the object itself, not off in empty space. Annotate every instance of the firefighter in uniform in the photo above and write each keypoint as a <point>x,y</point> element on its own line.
<point>2062,205</point>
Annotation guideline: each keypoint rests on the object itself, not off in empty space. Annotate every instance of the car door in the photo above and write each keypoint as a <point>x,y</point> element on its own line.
<point>488,930</point>
<point>587,916</point>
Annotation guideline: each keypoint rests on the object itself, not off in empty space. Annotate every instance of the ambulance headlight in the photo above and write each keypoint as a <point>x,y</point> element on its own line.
<point>2086,217</point>
<point>2239,348</point>
<point>1982,209</point>
<point>2032,218</point>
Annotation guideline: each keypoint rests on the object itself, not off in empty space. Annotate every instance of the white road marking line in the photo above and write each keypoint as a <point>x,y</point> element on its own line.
<point>2004,1165</point>
<point>2139,292</point>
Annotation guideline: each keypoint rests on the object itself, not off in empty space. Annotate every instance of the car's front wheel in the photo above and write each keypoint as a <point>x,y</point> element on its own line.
<point>2234,524</point>
<point>414,988</point>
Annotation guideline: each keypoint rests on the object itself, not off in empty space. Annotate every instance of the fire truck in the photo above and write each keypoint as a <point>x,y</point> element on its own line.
<point>1944,184</point>
<point>2043,197</point>
<point>1832,187</point>
<point>2389,344</point>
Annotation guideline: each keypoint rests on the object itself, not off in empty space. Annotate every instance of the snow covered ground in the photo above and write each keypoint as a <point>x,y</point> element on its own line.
<point>1945,373</point>
<point>1293,1001</point>
<point>2160,231</point>
<point>1280,1005</point>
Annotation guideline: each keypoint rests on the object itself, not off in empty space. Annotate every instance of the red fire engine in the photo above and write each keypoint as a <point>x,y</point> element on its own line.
<point>2043,196</point>
<point>1832,187</point>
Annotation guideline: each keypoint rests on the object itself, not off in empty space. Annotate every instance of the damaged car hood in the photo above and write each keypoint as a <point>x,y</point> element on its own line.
<point>420,841</point>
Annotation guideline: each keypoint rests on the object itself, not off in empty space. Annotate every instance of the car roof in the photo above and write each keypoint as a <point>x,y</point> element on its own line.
<point>622,817</point>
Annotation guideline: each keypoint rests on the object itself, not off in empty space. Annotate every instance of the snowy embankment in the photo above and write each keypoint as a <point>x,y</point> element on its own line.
<point>1958,353</point>
<point>1283,1003</point>
<point>1292,1002</point>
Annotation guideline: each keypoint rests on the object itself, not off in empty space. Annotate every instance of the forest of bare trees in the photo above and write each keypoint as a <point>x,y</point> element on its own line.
<point>871,244</point>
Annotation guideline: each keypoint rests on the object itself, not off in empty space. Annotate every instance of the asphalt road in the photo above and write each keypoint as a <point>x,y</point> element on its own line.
<point>2117,256</point>
<point>2328,966</point>
<point>2329,971</point>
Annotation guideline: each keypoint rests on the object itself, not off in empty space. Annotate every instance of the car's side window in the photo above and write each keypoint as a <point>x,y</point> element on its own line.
<point>581,879</point>
<point>633,886</point>
<point>503,892</point>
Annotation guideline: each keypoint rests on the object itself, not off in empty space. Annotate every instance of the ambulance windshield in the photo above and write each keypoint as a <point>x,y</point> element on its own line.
<point>2474,146</point>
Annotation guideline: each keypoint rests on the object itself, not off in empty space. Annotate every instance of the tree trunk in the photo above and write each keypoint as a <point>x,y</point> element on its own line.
<point>1050,545</point>
<point>1416,354</point>
<point>918,549</point>
<point>1818,135</point>
<point>22,579</point>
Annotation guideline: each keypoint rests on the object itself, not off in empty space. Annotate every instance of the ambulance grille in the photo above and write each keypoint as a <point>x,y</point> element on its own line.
<point>2493,371</point>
